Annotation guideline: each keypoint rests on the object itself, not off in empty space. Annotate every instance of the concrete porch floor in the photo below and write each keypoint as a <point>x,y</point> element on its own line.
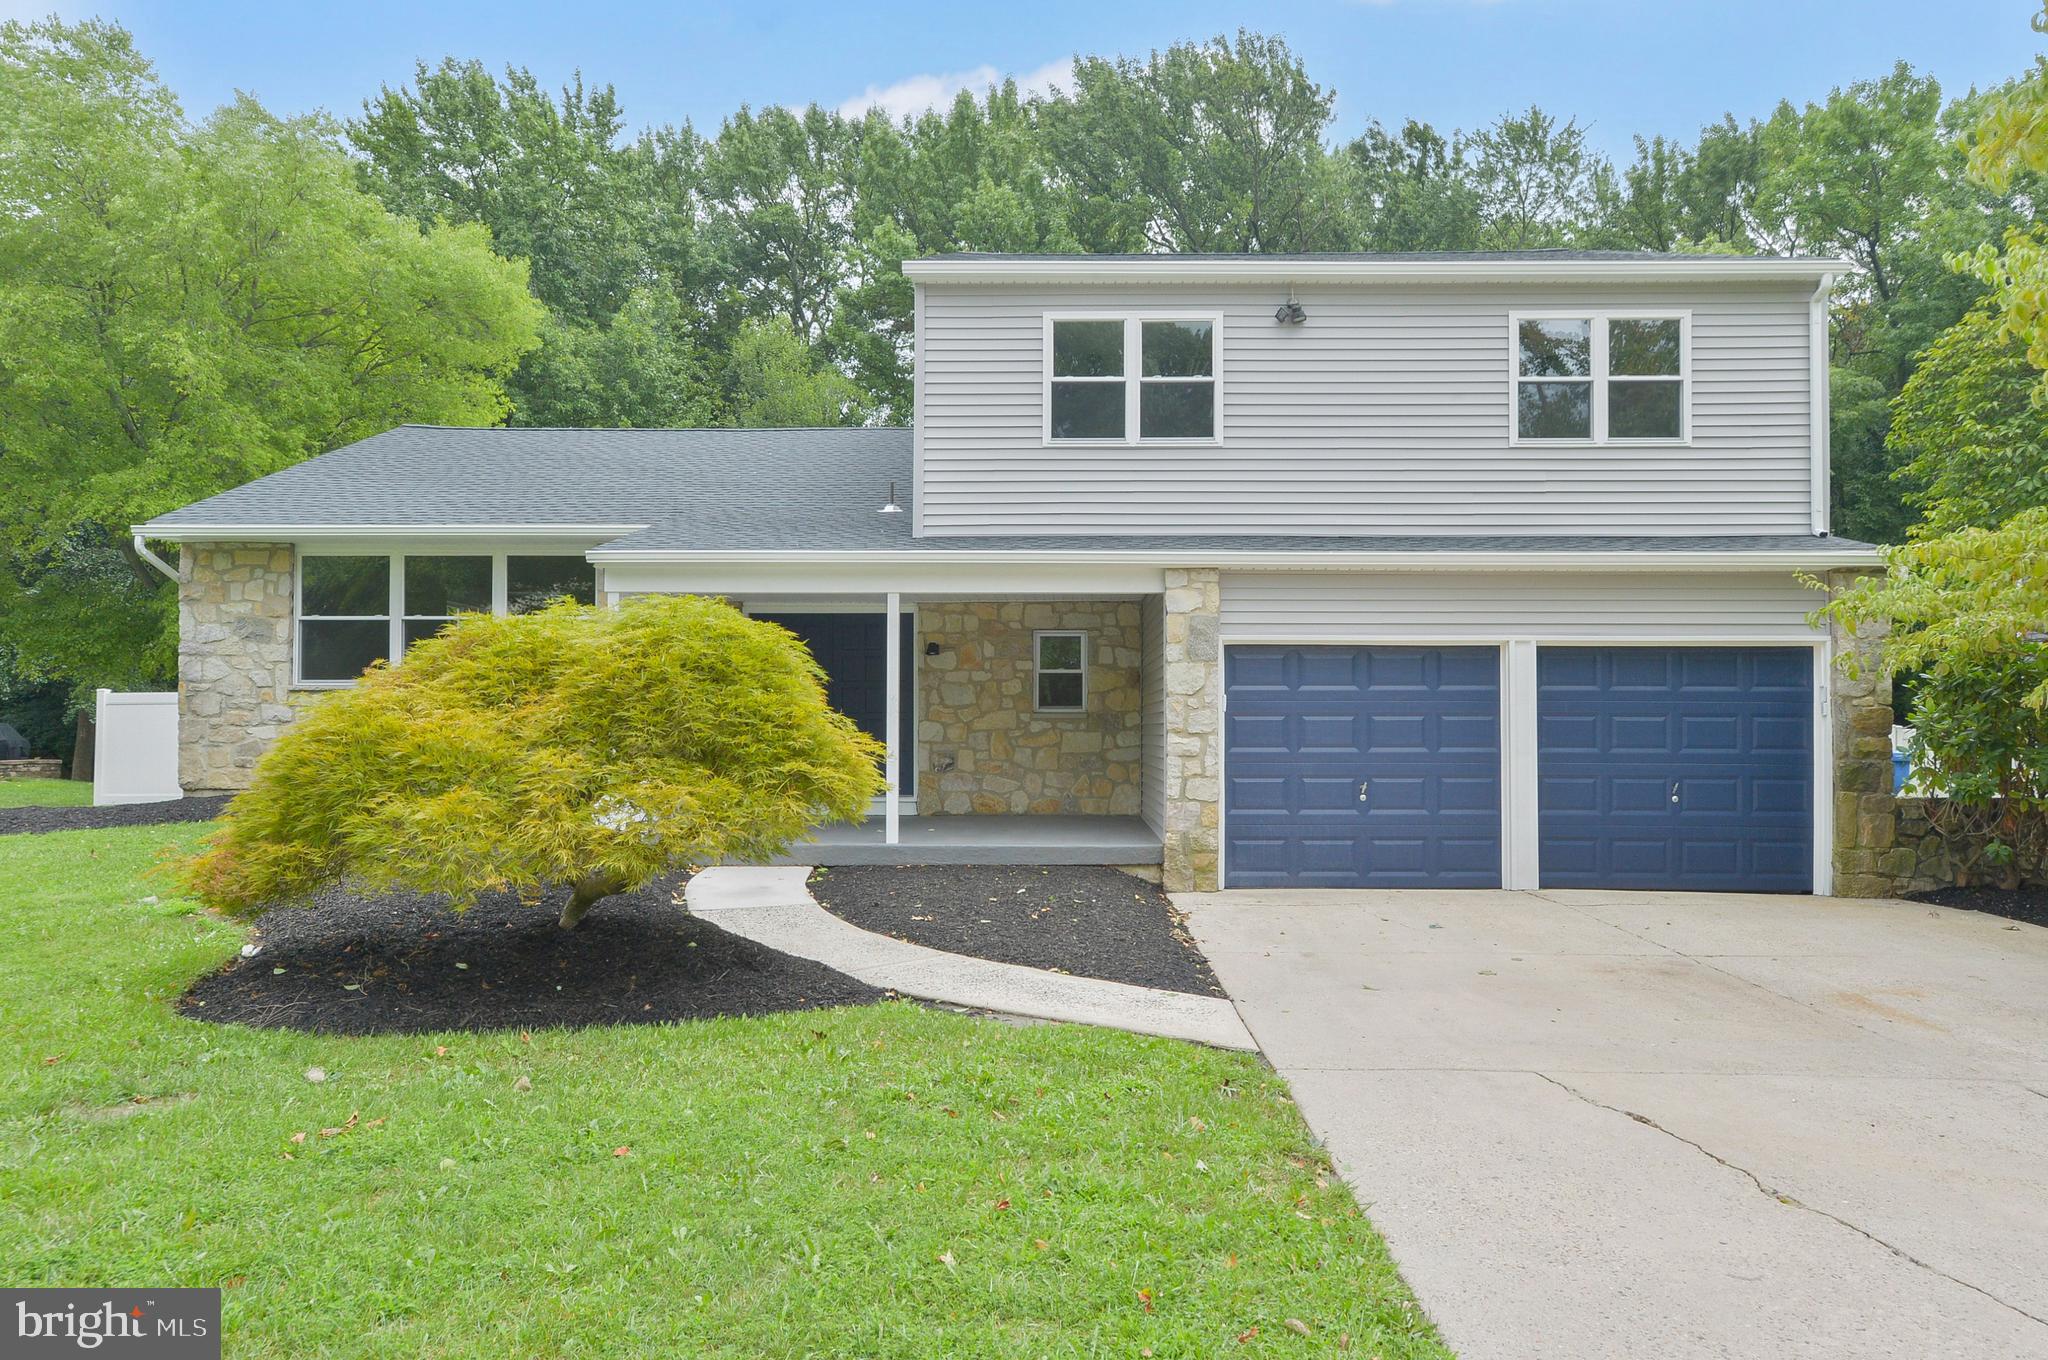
<point>997,839</point>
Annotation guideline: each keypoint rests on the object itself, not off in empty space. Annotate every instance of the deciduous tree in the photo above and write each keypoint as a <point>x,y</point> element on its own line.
<point>183,309</point>
<point>579,748</point>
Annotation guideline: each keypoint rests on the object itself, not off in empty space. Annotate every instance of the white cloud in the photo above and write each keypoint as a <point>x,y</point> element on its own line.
<point>914,94</point>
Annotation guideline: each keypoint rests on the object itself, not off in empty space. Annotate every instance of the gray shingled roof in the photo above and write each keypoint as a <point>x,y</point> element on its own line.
<point>428,475</point>
<point>735,491</point>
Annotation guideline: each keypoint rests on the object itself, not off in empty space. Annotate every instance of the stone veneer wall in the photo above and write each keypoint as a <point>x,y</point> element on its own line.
<point>1194,714</point>
<point>234,660</point>
<point>982,744</point>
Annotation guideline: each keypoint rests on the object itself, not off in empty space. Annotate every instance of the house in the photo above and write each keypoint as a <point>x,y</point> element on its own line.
<point>1430,570</point>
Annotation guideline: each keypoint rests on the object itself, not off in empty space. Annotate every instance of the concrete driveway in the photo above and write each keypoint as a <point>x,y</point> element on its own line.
<point>1672,1125</point>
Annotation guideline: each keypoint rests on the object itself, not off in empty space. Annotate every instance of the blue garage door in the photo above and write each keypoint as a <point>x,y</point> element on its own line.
<point>1362,767</point>
<point>1688,768</point>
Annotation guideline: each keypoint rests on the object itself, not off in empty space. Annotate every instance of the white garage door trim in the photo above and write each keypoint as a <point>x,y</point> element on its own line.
<point>1518,839</point>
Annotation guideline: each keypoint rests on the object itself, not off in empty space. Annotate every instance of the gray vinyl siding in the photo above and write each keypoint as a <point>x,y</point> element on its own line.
<point>1388,413</point>
<point>1487,606</point>
<point>1152,713</point>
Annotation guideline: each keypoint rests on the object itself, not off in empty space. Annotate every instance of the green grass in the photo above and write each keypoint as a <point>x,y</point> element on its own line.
<point>880,1181</point>
<point>45,793</point>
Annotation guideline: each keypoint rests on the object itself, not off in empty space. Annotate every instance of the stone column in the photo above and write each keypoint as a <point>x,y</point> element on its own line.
<point>1868,861</point>
<point>234,660</point>
<point>1194,736</point>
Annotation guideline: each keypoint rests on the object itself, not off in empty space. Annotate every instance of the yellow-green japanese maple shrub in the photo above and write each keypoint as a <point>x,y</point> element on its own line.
<point>590,748</point>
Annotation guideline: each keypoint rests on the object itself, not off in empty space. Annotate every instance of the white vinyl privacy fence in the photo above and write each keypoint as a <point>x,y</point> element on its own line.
<point>136,748</point>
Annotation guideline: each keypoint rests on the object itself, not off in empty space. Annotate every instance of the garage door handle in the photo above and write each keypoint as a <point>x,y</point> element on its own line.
<point>1363,785</point>
<point>1674,790</point>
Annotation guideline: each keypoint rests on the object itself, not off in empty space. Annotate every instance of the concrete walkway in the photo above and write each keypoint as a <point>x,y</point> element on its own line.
<point>771,906</point>
<point>1627,1125</point>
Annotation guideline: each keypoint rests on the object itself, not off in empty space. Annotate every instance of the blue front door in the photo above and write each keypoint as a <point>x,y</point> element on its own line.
<point>1362,767</point>
<point>849,647</point>
<point>1688,768</point>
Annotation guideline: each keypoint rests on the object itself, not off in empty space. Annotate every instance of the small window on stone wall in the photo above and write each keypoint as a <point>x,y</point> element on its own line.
<point>1062,665</point>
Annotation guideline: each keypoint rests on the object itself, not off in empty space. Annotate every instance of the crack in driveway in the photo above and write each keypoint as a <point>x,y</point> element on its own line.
<point>1789,1201</point>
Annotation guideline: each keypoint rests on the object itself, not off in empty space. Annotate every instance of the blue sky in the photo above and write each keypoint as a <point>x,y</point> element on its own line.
<point>1620,66</point>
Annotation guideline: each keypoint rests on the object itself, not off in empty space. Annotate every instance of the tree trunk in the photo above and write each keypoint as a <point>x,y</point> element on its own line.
<point>590,889</point>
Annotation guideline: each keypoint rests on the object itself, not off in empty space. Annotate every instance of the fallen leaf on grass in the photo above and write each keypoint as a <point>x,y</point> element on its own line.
<point>946,1259</point>
<point>316,1075</point>
<point>1297,1326</point>
<point>1145,1297</point>
<point>522,1084</point>
<point>53,1060</point>
<point>299,1137</point>
<point>1246,1335</point>
<point>1041,1244</point>
<point>1002,1204</point>
<point>345,1126</point>
<point>622,1152</point>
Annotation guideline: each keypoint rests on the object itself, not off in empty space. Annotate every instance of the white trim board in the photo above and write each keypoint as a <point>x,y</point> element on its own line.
<point>1282,269</point>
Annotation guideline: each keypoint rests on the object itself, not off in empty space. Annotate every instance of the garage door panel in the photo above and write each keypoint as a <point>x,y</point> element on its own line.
<point>1398,733</point>
<point>1420,729</point>
<point>1729,730</point>
<point>1470,733</point>
<point>1323,733</point>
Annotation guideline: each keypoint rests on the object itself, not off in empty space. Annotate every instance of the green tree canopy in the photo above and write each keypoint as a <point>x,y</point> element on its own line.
<point>584,748</point>
<point>184,308</point>
<point>1212,146</point>
<point>1968,425</point>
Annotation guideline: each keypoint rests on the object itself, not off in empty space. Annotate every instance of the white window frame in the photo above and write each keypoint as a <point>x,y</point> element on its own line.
<point>1038,668</point>
<point>1600,317</point>
<point>1133,378</point>
<point>394,605</point>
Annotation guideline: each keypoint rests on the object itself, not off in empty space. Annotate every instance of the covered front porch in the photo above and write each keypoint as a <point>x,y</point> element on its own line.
<point>1032,712</point>
<point>1018,729</point>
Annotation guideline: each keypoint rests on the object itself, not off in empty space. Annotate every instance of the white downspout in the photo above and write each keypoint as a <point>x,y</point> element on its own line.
<point>142,551</point>
<point>1817,403</point>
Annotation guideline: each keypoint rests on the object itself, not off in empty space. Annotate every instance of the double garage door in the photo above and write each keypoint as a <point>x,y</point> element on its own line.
<point>1687,768</point>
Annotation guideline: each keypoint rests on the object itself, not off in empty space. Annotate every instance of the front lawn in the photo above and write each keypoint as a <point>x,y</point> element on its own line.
<point>45,793</point>
<point>884,1180</point>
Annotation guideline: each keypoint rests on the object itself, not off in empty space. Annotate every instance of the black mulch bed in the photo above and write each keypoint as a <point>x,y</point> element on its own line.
<point>2017,904</point>
<point>405,964</point>
<point>1092,922</point>
<point>29,820</point>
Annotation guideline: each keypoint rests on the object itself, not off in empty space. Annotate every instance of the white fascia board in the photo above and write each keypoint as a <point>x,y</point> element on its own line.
<point>1478,560</point>
<point>285,533</point>
<point>1255,269</point>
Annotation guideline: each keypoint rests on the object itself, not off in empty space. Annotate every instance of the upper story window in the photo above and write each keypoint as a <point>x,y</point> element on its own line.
<point>1602,378</point>
<point>356,609</point>
<point>1130,379</point>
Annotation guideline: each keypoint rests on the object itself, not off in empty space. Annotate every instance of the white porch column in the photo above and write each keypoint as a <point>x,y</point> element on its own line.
<point>892,737</point>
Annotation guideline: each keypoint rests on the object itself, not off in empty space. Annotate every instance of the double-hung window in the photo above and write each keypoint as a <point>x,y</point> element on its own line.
<point>1602,378</point>
<point>1130,379</point>
<point>1061,663</point>
<point>358,609</point>
<point>439,588</point>
<point>344,617</point>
